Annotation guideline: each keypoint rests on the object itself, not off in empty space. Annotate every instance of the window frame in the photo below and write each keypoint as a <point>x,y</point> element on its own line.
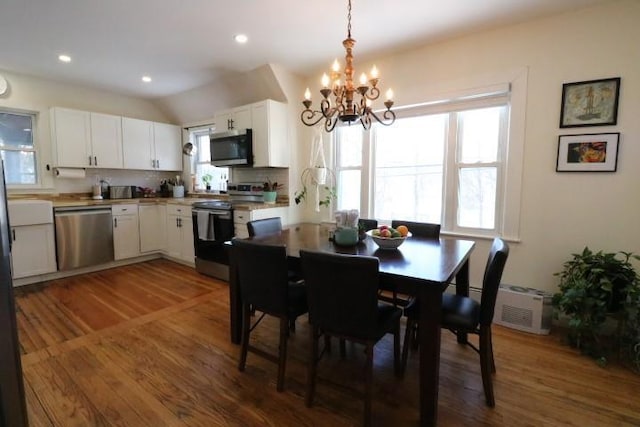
<point>35,150</point>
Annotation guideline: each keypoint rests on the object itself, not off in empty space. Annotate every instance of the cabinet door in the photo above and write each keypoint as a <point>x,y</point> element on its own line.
<point>137,144</point>
<point>269,124</point>
<point>187,251</point>
<point>106,141</point>
<point>174,236</point>
<point>152,227</point>
<point>222,121</point>
<point>126,236</point>
<point>33,250</point>
<point>241,118</point>
<point>72,137</point>
<point>168,146</point>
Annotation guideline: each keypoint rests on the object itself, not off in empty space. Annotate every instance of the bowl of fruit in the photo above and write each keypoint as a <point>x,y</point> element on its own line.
<point>389,238</point>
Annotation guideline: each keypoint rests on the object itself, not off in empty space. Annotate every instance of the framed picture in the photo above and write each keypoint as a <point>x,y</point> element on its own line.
<point>597,152</point>
<point>591,103</point>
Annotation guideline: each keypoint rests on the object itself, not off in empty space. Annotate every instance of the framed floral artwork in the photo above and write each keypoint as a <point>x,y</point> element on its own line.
<point>596,152</point>
<point>590,103</point>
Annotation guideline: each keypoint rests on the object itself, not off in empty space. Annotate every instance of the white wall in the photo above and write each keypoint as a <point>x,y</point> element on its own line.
<point>561,213</point>
<point>39,95</point>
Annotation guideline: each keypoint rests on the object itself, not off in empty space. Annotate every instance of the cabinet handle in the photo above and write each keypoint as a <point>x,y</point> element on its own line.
<point>90,161</point>
<point>95,160</point>
<point>14,234</point>
<point>153,163</point>
<point>158,164</point>
<point>231,120</point>
<point>115,222</point>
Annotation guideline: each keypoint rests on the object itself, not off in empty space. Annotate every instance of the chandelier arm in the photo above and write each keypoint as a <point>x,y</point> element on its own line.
<point>388,118</point>
<point>373,94</point>
<point>330,123</point>
<point>308,117</point>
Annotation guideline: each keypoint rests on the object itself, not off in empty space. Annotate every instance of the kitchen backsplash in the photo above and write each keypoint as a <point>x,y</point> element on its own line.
<point>150,179</point>
<point>279,175</point>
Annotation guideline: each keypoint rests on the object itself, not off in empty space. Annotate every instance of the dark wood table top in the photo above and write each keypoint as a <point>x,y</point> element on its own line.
<point>428,260</point>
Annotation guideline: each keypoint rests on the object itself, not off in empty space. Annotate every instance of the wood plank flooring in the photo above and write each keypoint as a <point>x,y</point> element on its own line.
<point>148,345</point>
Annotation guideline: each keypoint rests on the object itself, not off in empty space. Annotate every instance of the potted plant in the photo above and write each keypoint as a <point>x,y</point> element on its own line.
<point>595,286</point>
<point>206,179</point>
<point>325,192</point>
<point>270,191</point>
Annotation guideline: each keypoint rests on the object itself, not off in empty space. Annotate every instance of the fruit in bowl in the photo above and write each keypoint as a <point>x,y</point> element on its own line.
<point>389,238</point>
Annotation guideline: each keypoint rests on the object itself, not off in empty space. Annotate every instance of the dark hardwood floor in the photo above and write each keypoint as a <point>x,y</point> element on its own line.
<point>148,345</point>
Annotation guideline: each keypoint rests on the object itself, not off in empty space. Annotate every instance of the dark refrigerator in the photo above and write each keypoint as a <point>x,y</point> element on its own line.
<point>12,403</point>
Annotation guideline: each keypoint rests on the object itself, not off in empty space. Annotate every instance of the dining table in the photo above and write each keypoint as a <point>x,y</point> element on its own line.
<point>420,267</point>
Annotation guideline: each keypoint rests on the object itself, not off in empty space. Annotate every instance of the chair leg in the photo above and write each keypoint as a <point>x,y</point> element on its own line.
<point>368,387</point>
<point>312,365</point>
<point>246,326</point>
<point>282,356</point>
<point>396,351</point>
<point>408,342</point>
<point>485,365</point>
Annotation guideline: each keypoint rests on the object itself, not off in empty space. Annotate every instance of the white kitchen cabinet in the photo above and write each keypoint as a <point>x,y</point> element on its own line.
<point>180,233</point>
<point>33,247</point>
<point>106,141</point>
<point>152,225</point>
<point>233,119</point>
<point>151,146</point>
<point>241,217</point>
<point>168,146</point>
<point>126,234</point>
<point>269,125</point>
<point>87,140</point>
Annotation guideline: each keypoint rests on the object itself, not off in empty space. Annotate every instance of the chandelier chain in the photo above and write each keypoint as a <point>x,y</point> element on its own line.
<point>349,20</point>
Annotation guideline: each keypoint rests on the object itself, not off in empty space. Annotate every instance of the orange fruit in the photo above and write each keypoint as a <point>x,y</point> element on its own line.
<point>403,230</point>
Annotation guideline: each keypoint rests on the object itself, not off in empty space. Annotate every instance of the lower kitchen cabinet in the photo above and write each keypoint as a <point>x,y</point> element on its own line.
<point>241,217</point>
<point>152,218</point>
<point>33,250</point>
<point>180,233</point>
<point>126,234</point>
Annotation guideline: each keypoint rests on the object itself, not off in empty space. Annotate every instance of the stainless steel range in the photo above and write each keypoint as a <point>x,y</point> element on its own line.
<point>212,226</point>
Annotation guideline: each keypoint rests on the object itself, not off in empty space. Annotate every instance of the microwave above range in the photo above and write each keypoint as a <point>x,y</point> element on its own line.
<point>232,148</point>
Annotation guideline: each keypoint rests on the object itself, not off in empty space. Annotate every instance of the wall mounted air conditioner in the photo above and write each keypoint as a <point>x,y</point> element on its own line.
<point>524,309</point>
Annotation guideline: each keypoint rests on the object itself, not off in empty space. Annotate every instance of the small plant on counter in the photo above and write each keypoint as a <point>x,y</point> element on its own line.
<point>271,186</point>
<point>206,179</point>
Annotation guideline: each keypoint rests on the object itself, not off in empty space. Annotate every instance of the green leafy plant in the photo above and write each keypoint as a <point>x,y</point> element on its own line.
<point>595,286</point>
<point>206,179</point>
<point>271,186</point>
<point>329,191</point>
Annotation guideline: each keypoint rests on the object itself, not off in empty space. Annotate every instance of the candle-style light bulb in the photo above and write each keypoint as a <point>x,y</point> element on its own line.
<point>389,95</point>
<point>363,79</point>
<point>368,103</point>
<point>336,66</point>
<point>307,94</point>
<point>325,80</point>
<point>374,72</point>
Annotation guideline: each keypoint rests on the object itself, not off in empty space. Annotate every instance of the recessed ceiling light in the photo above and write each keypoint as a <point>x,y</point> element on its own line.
<point>241,38</point>
<point>146,79</point>
<point>64,58</point>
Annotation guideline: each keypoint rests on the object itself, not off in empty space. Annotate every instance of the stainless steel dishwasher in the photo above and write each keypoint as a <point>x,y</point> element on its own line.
<point>84,236</point>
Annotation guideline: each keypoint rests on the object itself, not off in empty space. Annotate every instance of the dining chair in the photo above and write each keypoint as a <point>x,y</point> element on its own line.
<point>464,314</point>
<point>264,285</point>
<point>367,224</point>
<point>418,229</point>
<point>263,227</point>
<point>342,293</point>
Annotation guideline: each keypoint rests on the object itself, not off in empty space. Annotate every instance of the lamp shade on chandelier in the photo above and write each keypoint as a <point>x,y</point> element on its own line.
<point>339,101</point>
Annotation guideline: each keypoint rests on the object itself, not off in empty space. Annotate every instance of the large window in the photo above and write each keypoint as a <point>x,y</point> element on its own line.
<point>17,148</point>
<point>202,167</point>
<point>443,164</point>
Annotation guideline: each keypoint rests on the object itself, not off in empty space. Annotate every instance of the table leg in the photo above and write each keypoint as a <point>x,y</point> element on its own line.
<point>429,336</point>
<point>235,302</point>
<point>462,289</point>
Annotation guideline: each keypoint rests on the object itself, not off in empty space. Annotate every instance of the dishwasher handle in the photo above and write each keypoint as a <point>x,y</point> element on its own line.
<point>101,210</point>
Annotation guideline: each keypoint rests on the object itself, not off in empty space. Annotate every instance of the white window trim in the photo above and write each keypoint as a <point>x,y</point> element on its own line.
<point>16,188</point>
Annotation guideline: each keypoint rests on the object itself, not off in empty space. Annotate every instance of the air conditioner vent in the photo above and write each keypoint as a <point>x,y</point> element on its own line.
<point>524,309</point>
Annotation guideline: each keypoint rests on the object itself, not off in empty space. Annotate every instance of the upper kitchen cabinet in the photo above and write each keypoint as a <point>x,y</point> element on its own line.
<point>148,145</point>
<point>233,119</point>
<point>269,124</point>
<point>84,139</point>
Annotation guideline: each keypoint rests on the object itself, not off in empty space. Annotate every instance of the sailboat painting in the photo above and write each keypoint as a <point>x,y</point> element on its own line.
<point>590,103</point>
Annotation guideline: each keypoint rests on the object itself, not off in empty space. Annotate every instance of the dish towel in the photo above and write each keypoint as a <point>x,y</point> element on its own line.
<point>205,226</point>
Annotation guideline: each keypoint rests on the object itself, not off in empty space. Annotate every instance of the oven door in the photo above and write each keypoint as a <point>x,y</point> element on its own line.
<point>211,228</point>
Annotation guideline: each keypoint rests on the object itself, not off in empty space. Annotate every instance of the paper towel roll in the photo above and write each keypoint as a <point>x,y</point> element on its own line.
<point>70,173</point>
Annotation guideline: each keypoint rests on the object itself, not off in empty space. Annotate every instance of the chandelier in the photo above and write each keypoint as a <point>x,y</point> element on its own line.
<point>343,107</point>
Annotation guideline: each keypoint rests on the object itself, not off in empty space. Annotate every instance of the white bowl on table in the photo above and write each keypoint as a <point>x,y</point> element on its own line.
<point>387,242</point>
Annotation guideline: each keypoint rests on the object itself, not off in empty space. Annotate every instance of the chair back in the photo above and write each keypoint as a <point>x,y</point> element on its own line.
<point>263,227</point>
<point>342,292</point>
<point>419,229</point>
<point>367,224</point>
<point>262,275</point>
<point>492,276</point>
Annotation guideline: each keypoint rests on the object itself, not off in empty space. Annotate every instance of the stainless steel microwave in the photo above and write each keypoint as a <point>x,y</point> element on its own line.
<point>233,148</point>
